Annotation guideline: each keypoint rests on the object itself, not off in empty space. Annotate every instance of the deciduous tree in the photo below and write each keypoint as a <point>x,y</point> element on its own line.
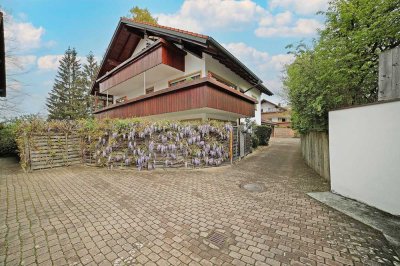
<point>142,14</point>
<point>341,67</point>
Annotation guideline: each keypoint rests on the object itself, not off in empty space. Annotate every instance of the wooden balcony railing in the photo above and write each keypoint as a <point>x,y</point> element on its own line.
<point>200,93</point>
<point>160,52</point>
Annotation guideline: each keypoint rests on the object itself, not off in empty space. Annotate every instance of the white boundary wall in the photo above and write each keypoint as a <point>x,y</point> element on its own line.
<point>364,147</point>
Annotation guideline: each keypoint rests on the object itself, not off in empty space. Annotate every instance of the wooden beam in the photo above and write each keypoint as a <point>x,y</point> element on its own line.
<point>113,62</point>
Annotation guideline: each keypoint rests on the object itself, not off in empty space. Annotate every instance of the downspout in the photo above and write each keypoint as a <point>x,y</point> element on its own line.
<point>144,82</point>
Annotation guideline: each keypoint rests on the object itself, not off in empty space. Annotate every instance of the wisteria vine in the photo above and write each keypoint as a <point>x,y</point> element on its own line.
<point>149,145</point>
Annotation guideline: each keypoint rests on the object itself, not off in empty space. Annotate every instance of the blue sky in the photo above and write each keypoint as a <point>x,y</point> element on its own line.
<point>39,31</point>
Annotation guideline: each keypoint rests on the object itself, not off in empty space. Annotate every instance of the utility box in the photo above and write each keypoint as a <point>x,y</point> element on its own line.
<point>389,75</point>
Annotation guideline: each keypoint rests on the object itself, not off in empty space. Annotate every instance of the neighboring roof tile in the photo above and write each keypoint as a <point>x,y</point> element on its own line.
<point>165,27</point>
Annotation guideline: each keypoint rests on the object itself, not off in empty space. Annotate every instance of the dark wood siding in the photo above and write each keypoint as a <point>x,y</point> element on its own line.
<point>219,99</point>
<point>194,95</point>
<point>161,54</point>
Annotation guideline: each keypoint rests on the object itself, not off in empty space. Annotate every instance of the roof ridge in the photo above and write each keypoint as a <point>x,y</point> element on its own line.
<point>166,27</point>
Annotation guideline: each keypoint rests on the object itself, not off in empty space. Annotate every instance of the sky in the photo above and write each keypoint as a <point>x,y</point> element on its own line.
<point>256,31</point>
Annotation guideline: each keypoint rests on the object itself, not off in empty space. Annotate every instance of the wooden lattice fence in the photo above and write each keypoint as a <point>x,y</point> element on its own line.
<point>126,144</point>
<point>52,150</point>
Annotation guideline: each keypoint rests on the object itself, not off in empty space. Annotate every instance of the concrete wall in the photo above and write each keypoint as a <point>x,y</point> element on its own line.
<point>315,150</point>
<point>364,144</point>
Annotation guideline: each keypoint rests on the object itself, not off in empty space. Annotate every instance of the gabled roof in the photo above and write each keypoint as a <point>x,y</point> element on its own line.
<point>129,32</point>
<point>276,105</point>
<point>166,28</point>
<point>2,59</point>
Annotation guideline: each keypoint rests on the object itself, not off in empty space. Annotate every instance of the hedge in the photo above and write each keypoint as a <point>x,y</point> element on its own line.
<point>263,134</point>
<point>8,146</point>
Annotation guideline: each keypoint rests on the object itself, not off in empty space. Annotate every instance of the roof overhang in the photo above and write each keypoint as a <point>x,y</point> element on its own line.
<point>191,42</point>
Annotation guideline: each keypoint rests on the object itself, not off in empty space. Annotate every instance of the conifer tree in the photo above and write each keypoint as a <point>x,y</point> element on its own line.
<point>67,98</point>
<point>89,71</point>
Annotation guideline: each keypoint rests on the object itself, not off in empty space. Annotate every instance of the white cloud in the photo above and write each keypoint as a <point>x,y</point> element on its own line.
<point>21,36</point>
<point>248,55</point>
<point>207,15</point>
<point>27,60</point>
<point>301,27</point>
<point>284,18</point>
<point>280,60</point>
<point>302,7</point>
<point>21,62</point>
<point>49,62</point>
<point>203,15</point>
<point>258,60</point>
<point>267,67</point>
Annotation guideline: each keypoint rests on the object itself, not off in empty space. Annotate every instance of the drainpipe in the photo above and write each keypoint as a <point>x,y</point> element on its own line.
<point>144,82</point>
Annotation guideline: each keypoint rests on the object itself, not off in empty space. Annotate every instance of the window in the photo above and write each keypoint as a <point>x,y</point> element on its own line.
<point>222,80</point>
<point>283,119</point>
<point>184,79</point>
<point>150,90</point>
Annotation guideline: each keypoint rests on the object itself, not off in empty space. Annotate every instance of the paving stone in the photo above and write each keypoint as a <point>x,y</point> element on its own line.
<point>94,216</point>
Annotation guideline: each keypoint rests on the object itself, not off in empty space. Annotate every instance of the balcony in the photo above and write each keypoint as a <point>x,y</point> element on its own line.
<point>160,57</point>
<point>197,96</point>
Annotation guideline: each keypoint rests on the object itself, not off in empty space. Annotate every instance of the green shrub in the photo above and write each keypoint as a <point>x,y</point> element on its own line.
<point>254,141</point>
<point>8,134</point>
<point>263,133</point>
<point>8,146</point>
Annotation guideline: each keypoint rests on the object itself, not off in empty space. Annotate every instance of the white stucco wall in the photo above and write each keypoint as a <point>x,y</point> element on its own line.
<point>221,70</point>
<point>257,95</point>
<point>364,149</point>
<point>141,45</point>
<point>192,64</point>
<point>268,107</point>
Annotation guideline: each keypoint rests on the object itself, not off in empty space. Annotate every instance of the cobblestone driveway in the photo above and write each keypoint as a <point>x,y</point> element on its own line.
<point>93,216</point>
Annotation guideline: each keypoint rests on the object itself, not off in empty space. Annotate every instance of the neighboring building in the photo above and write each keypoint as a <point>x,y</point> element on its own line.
<point>165,73</point>
<point>278,117</point>
<point>275,113</point>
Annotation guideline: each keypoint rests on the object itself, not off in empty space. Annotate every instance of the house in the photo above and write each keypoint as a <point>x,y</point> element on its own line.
<point>161,72</point>
<point>278,117</point>
<point>275,113</point>
<point>2,59</point>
